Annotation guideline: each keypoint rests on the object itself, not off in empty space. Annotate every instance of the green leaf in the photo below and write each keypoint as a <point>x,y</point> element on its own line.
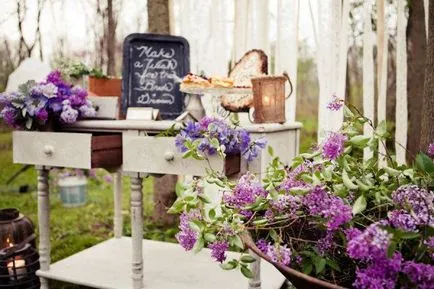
<point>347,112</point>
<point>381,129</point>
<point>200,243</point>
<point>347,181</point>
<point>332,264</point>
<point>270,151</point>
<point>179,189</point>
<point>359,205</point>
<point>177,207</point>
<point>194,226</point>
<point>228,266</point>
<point>187,154</point>
<point>360,140</point>
<point>391,172</point>
<point>307,268</point>
<point>409,235</point>
<point>320,264</point>
<point>246,272</point>
<point>425,163</point>
<point>212,214</point>
<point>236,241</point>
<point>209,237</point>
<point>204,199</point>
<point>391,249</point>
<point>247,259</point>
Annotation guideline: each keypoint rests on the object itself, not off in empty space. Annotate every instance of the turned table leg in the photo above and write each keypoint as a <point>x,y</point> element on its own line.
<point>44,222</point>
<point>255,282</point>
<point>117,191</point>
<point>137,230</point>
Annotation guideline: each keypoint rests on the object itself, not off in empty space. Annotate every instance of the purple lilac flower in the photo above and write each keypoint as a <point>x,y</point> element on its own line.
<point>352,233</point>
<point>33,105</point>
<point>269,215</point>
<point>187,237</point>
<point>277,253</point>
<point>333,146</point>
<point>431,150</point>
<point>430,244</point>
<point>321,203</point>
<point>87,110</point>
<point>48,90</point>
<point>42,115</point>
<point>335,104</point>
<point>286,203</point>
<point>254,149</point>
<point>108,178</point>
<point>371,244</point>
<point>245,192</point>
<point>325,244</point>
<point>9,115</point>
<point>69,115</point>
<point>402,220</point>
<point>292,181</point>
<point>416,201</point>
<point>381,274</point>
<point>421,275</point>
<point>218,250</point>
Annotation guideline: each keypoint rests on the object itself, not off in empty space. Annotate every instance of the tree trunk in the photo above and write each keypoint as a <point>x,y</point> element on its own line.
<point>427,130</point>
<point>164,187</point>
<point>416,53</point>
<point>158,16</point>
<point>111,39</point>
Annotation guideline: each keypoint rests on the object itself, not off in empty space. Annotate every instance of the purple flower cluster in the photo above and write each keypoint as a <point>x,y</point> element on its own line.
<point>430,244</point>
<point>402,220</point>
<point>370,244</point>
<point>36,103</point>
<point>431,150</point>
<point>218,250</point>
<point>419,203</point>
<point>187,237</point>
<point>234,140</point>
<point>381,274</point>
<point>245,192</point>
<point>333,146</point>
<point>326,243</point>
<point>286,203</point>
<point>323,204</point>
<point>335,104</point>
<point>277,253</point>
<point>421,275</point>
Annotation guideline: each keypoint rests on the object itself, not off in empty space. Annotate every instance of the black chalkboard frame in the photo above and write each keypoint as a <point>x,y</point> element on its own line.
<point>126,69</point>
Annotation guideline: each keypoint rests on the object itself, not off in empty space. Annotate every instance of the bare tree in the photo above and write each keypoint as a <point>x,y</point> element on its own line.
<point>111,39</point>
<point>416,52</point>
<point>427,127</point>
<point>25,48</point>
<point>164,187</point>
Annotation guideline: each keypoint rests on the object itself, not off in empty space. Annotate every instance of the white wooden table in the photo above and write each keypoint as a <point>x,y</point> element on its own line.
<point>166,265</point>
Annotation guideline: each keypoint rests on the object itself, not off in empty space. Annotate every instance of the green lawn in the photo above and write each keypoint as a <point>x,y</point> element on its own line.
<point>74,229</point>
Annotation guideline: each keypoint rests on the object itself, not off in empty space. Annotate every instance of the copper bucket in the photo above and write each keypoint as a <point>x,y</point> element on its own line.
<point>269,98</point>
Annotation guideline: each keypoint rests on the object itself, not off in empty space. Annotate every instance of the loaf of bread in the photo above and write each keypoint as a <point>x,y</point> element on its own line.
<point>253,64</point>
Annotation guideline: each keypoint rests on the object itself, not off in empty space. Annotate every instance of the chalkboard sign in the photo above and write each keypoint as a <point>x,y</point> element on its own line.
<point>153,66</point>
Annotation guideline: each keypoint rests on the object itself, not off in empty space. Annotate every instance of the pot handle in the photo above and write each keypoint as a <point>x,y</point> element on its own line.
<point>290,84</point>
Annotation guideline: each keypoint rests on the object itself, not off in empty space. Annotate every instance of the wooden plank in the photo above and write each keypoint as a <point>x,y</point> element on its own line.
<point>107,158</point>
<point>368,73</point>
<point>105,142</point>
<point>401,119</point>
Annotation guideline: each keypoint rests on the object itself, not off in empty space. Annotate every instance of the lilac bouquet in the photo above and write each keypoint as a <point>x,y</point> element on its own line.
<point>211,136</point>
<point>332,214</point>
<point>35,105</point>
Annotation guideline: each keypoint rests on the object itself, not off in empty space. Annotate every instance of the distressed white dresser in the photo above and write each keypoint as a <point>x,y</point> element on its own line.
<point>119,263</point>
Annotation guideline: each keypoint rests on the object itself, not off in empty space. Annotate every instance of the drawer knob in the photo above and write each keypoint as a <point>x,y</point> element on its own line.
<point>169,156</point>
<point>48,150</point>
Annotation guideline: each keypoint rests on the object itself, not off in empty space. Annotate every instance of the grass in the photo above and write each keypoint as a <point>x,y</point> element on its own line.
<point>74,229</point>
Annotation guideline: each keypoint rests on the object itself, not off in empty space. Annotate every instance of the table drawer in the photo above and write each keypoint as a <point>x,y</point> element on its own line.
<point>159,155</point>
<point>62,149</point>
